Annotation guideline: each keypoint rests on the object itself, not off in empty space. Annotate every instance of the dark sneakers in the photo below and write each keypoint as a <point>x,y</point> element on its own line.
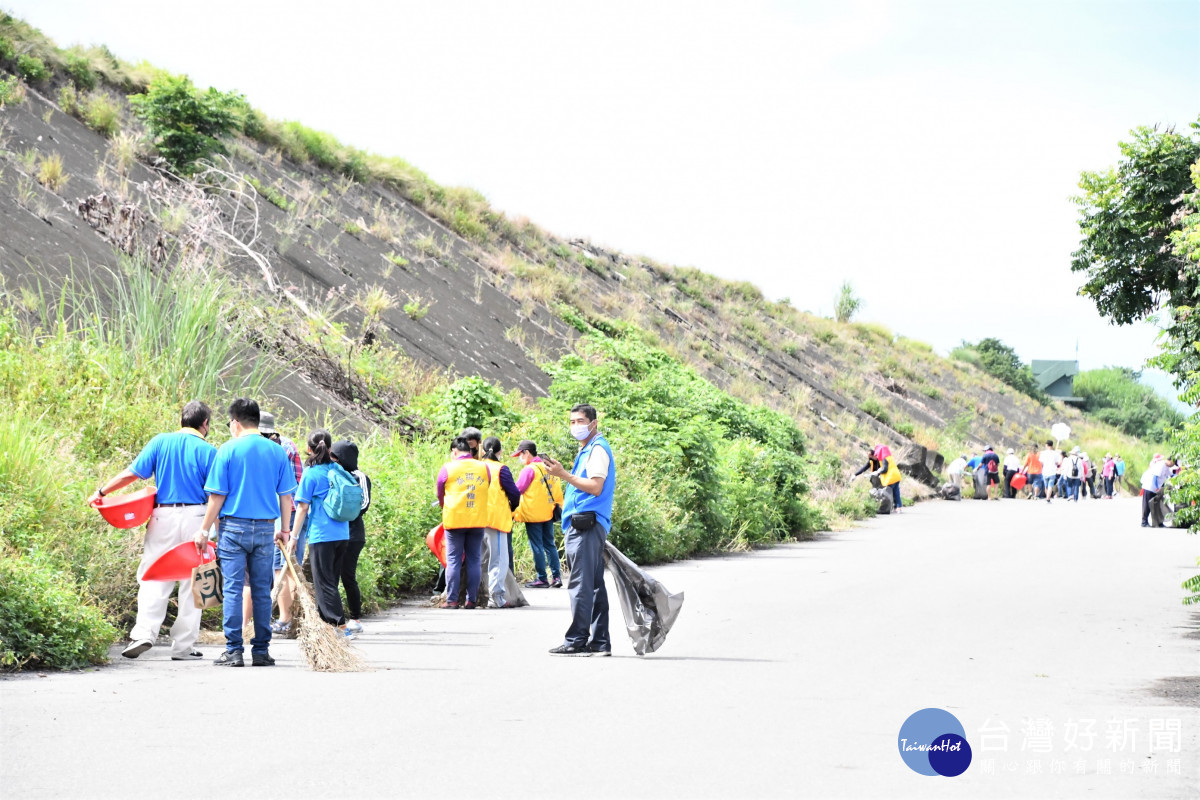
<point>470,604</point>
<point>571,650</point>
<point>538,584</point>
<point>262,660</point>
<point>600,652</point>
<point>228,659</point>
<point>556,583</point>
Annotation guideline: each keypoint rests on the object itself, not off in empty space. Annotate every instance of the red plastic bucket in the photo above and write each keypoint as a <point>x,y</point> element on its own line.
<point>126,510</point>
<point>177,563</point>
<point>436,542</point>
<point>1018,481</point>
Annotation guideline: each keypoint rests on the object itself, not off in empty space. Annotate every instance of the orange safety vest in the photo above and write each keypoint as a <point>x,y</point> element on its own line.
<point>500,516</point>
<point>537,504</point>
<point>466,501</point>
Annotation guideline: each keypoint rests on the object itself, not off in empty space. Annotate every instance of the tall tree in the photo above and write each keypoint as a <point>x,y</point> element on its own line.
<point>1127,216</point>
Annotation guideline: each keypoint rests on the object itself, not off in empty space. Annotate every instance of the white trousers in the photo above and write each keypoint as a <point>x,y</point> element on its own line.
<point>168,527</point>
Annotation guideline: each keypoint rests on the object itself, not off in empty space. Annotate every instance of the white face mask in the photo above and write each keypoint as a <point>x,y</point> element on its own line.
<point>581,432</point>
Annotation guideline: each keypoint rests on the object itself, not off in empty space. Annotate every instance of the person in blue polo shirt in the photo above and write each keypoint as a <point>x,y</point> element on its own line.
<point>249,486</point>
<point>328,538</point>
<point>586,521</point>
<point>179,463</point>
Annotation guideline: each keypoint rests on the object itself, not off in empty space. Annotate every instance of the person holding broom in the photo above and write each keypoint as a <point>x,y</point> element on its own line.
<point>249,486</point>
<point>587,519</point>
<point>179,463</point>
<point>328,538</point>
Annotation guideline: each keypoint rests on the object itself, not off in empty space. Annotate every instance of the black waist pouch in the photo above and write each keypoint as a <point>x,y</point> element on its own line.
<point>583,521</point>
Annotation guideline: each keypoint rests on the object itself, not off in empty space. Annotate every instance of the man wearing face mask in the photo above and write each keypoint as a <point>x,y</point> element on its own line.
<point>179,463</point>
<point>586,520</point>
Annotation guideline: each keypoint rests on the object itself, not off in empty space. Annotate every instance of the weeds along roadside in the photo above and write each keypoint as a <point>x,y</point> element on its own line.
<point>87,376</point>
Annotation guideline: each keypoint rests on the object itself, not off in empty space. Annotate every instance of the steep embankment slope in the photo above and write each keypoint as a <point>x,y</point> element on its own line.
<point>472,292</point>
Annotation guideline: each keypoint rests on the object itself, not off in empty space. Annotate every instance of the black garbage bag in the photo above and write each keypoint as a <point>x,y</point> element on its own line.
<point>884,498</point>
<point>649,609</point>
<point>981,483</point>
<point>951,491</point>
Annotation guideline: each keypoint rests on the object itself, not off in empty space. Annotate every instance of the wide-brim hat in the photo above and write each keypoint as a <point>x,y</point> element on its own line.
<point>266,422</point>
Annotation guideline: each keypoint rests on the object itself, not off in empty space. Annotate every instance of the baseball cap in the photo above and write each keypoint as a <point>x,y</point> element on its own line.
<point>266,422</point>
<point>526,445</point>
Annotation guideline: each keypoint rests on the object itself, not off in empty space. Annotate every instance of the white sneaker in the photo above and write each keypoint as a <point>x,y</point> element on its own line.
<point>354,625</point>
<point>135,649</point>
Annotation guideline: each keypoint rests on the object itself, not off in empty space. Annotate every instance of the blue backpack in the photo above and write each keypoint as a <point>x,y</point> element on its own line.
<point>344,500</point>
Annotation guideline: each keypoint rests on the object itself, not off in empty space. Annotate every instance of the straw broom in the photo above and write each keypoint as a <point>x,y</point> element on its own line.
<point>323,647</point>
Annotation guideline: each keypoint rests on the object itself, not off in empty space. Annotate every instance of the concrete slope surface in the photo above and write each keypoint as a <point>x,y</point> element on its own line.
<point>1053,633</point>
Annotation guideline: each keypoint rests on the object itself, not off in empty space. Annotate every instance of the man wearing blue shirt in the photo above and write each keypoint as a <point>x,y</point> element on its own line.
<point>179,463</point>
<point>249,487</point>
<point>586,521</point>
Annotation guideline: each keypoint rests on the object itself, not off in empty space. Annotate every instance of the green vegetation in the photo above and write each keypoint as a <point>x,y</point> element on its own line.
<point>50,172</point>
<point>847,304</point>
<point>416,308</point>
<point>44,622</point>
<point>12,91</point>
<point>1000,361</point>
<point>273,195</point>
<point>32,68</point>
<point>79,69</point>
<point>1114,396</point>
<point>1140,252</point>
<point>184,122</point>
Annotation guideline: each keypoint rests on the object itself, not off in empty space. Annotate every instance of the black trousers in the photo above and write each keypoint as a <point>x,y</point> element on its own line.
<point>350,578</point>
<point>1008,476</point>
<point>1147,497</point>
<point>326,559</point>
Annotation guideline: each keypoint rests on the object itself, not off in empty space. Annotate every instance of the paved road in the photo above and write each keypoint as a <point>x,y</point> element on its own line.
<point>789,674</point>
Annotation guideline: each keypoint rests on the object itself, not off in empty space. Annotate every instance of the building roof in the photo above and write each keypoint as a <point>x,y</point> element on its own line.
<point>1047,373</point>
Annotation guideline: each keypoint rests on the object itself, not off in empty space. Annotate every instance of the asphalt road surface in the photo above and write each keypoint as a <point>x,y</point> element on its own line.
<point>1054,634</point>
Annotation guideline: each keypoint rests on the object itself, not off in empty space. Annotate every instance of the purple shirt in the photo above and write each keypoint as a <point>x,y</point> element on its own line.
<point>527,476</point>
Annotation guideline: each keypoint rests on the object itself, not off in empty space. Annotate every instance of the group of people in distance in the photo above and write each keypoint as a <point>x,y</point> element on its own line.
<point>257,499</point>
<point>243,495</point>
<point>1068,475</point>
<point>1047,473</point>
<point>480,501</point>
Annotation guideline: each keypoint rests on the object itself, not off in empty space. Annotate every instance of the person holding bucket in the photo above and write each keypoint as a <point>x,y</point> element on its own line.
<point>249,487</point>
<point>179,463</point>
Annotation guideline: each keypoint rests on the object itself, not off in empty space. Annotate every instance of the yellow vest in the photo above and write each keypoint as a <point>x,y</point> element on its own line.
<point>466,500</point>
<point>537,505</point>
<point>893,473</point>
<point>500,516</point>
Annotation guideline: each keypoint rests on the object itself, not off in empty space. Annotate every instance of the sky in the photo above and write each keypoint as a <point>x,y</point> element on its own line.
<point>926,152</point>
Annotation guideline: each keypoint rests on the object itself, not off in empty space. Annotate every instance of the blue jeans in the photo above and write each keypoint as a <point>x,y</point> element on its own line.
<point>589,598</point>
<point>245,549</point>
<point>1073,489</point>
<point>1036,487</point>
<point>541,543</point>
<point>896,494</point>
<point>460,541</point>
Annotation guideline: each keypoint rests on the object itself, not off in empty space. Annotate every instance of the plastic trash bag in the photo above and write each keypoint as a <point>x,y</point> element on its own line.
<point>649,609</point>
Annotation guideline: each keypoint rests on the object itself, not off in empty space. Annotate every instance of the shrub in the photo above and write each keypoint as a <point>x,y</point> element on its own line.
<point>473,402</point>
<point>6,50</point>
<point>32,68</point>
<point>50,172</point>
<point>873,408</point>
<point>12,91</point>
<point>416,309</point>
<point>101,114</point>
<point>44,622</point>
<point>68,99</point>
<point>186,123</point>
<point>80,71</point>
<point>847,303</point>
